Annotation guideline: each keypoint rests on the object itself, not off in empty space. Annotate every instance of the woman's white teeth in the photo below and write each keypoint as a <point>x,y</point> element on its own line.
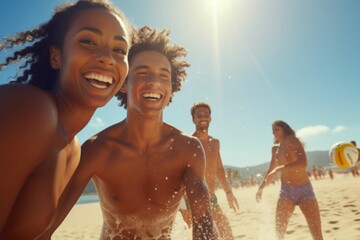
<point>99,77</point>
<point>151,95</point>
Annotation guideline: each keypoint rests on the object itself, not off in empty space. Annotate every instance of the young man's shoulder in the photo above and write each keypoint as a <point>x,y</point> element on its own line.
<point>105,142</point>
<point>111,133</point>
<point>182,137</point>
<point>211,138</point>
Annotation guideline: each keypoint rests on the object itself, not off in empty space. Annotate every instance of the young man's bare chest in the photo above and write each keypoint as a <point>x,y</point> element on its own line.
<point>131,175</point>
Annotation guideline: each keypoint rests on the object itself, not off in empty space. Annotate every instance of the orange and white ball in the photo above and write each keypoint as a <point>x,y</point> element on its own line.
<point>344,154</point>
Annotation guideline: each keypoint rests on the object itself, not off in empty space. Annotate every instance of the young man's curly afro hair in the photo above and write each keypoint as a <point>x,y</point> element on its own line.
<point>199,105</point>
<point>151,39</point>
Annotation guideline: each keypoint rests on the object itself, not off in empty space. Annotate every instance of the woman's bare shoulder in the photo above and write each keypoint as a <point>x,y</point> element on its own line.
<point>27,107</point>
<point>26,98</point>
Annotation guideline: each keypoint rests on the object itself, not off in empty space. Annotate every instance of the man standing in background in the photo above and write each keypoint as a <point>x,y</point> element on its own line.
<point>214,171</point>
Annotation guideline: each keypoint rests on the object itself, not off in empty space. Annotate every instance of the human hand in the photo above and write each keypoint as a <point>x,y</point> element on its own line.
<point>258,195</point>
<point>233,204</point>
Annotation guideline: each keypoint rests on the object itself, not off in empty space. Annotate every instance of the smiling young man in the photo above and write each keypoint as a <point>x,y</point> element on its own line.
<point>142,166</point>
<point>201,116</point>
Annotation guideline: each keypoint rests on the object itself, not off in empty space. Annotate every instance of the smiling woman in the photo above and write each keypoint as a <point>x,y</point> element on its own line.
<point>72,66</point>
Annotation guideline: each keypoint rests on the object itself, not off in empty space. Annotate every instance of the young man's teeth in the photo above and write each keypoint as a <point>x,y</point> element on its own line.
<point>152,95</point>
<point>99,77</point>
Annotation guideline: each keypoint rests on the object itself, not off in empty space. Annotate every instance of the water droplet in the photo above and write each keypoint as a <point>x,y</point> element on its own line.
<point>166,178</point>
<point>188,165</point>
<point>155,188</point>
<point>191,192</point>
<point>194,154</point>
<point>172,139</point>
<point>171,148</point>
<point>149,199</point>
<point>188,142</point>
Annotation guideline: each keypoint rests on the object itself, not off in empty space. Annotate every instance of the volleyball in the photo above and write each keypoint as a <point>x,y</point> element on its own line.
<point>344,154</point>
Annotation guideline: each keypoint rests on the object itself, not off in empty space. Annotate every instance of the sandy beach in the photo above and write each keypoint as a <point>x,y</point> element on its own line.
<point>339,202</point>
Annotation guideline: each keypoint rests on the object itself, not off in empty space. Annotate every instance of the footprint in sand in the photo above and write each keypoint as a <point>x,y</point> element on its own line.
<point>333,222</point>
<point>299,226</point>
<point>242,236</point>
<point>349,205</point>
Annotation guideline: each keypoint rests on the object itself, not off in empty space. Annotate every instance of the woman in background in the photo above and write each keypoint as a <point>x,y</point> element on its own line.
<point>289,159</point>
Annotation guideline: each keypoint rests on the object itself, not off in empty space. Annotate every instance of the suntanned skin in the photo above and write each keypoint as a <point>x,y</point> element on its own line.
<point>142,166</point>
<point>289,158</point>
<point>214,170</point>
<point>39,152</point>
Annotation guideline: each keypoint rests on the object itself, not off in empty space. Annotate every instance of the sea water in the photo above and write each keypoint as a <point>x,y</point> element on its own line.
<point>87,199</point>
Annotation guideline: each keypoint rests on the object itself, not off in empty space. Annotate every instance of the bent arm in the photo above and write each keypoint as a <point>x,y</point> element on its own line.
<point>270,173</point>
<point>296,156</point>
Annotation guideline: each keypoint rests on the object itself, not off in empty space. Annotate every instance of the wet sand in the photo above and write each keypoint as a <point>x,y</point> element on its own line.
<point>339,202</point>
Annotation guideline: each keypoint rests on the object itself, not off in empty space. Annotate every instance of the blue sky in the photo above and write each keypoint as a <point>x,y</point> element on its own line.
<point>253,61</point>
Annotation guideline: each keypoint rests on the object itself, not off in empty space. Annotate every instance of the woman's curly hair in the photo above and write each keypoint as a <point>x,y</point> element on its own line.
<point>37,70</point>
<point>151,39</point>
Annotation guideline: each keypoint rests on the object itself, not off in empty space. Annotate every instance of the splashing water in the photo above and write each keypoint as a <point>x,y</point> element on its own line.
<point>118,226</point>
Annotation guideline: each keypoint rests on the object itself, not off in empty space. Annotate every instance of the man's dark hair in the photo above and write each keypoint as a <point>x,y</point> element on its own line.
<point>198,105</point>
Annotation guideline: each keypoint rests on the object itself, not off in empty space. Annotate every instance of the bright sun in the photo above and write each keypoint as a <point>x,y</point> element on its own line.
<point>215,4</point>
